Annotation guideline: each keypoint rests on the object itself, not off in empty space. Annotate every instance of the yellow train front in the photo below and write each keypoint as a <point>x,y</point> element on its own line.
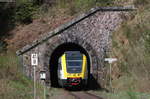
<point>72,69</point>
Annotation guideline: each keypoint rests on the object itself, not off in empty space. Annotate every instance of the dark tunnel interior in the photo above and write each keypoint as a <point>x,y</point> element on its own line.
<point>55,56</point>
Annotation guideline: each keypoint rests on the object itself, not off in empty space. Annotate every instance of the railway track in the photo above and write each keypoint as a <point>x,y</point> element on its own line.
<point>83,95</point>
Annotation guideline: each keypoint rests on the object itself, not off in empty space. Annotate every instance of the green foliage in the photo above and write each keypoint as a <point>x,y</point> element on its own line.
<point>76,6</point>
<point>85,4</point>
<point>13,84</point>
<point>6,18</point>
<point>3,46</point>
<point>10,14</point>
<point>147,43</point>
<point>105,2</point>
<point>146,29</point>
<point>131,44</point>
<point>141,2</point>
<point>132,95</point>
<point>25,12</point>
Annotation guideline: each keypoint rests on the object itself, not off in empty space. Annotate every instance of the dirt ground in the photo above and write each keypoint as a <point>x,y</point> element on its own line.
<point>22,35</point>
<point>59,93</point>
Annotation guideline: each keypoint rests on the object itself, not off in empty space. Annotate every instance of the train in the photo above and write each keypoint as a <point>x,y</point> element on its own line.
<point>72,69</point>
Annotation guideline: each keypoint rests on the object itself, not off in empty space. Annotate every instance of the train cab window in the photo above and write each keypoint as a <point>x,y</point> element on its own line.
<point>74,61</point>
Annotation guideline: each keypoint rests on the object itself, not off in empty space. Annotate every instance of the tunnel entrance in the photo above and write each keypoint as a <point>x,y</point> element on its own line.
<point>57,53</point>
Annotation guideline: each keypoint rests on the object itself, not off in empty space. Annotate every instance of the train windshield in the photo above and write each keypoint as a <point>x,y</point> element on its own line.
<point>74,61</point>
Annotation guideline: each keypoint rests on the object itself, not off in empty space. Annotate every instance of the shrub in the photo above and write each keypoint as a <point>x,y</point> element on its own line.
<point>25,12</point>
<point>141,2</point>
<point>3,46</point>
<point>132,95</point>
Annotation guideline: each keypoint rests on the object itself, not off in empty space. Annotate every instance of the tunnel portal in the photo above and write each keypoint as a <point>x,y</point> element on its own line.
<point>89,33</point>
<point>57,54</point>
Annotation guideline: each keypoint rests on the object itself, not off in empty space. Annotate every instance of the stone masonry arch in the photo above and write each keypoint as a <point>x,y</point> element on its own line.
<point>51,47</point>
<point>67,46</point>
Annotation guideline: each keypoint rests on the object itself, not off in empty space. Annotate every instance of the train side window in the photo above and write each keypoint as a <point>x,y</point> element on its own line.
<point>59,64</point>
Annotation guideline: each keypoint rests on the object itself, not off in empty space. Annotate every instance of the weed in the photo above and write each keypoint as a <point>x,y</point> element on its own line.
<point>13,84</point>
<point>132,95</point>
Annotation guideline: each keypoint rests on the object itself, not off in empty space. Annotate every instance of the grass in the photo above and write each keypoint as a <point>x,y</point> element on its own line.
<point>13,84</point>
<point>131,44</point>
<point>131,47</point>
<point>129,94</point>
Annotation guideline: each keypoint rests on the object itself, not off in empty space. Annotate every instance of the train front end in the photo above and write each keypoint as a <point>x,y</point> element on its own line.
<point>72,69</point>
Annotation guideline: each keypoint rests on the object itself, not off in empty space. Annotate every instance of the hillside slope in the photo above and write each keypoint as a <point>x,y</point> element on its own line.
<point>25,34</point>
<point>131,45</point>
